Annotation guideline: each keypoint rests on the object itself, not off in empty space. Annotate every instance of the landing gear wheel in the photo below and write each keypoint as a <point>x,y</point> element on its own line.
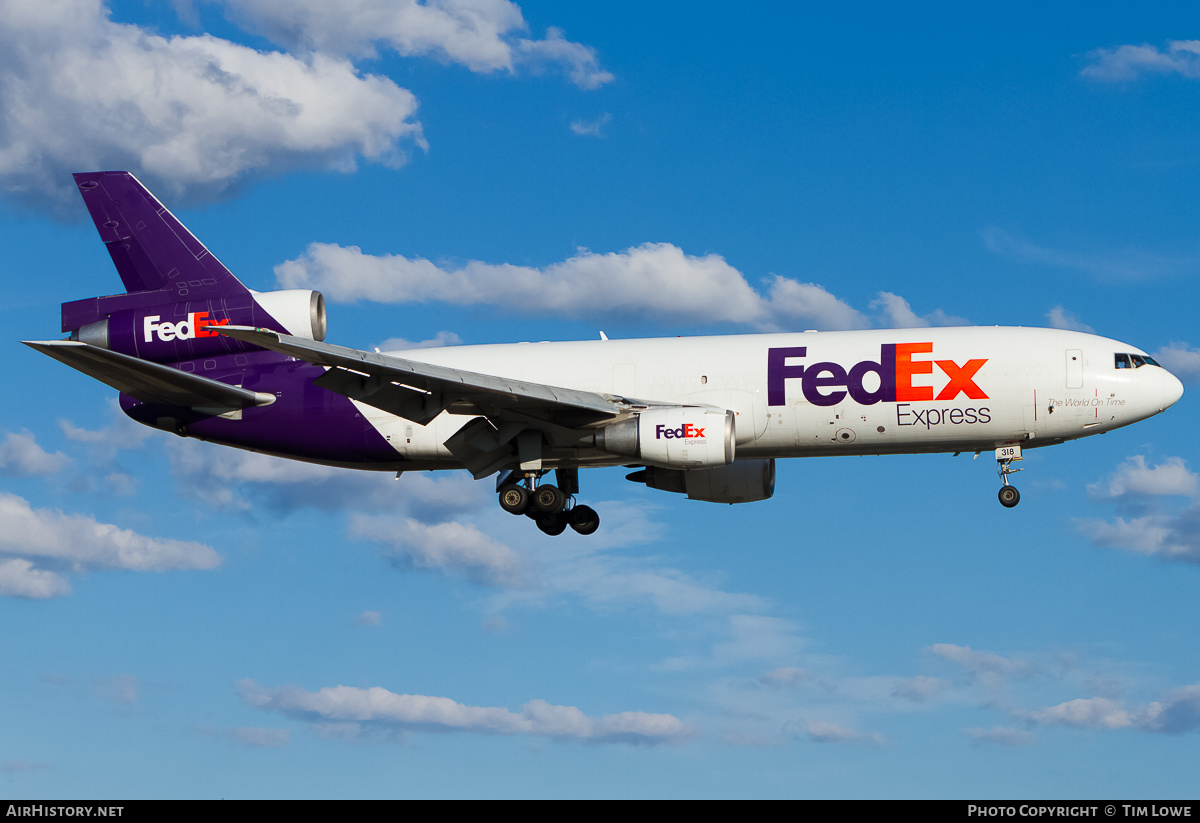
<point>1009,496</point>
<point>514,499</point>
<point>584,519</point>
<point>549,499</point>
<point>552,523</point>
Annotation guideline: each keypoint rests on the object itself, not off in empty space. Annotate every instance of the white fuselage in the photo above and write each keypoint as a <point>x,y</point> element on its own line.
<point>821,393</point>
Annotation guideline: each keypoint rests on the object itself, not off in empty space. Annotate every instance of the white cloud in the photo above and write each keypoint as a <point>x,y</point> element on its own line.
<point>21,456</point>
<point>79,543</point>
<point>479,34</point>
<point>1130,62</point>
<point>1149,524</point>
<point>652,277</point>
<point>758,637</point>
<point>1177,712</point>
<point>821,731</point>
<point>919,689</point>
<point>606,580</point>
<point>1001,736</point>
<point>811,304</point>
<point>368,618</point>
<point>1134,478</point>
<point>591,128</point>
<point>260,738</point>
<point>646,281</point>
<point>984,664</point>
<point>246,481</point>
<point>197,113</point>
<point>450,547</point>
<point>355,710</point>
<point>103,447</point>
<point>18,578</point>
<point>1089,713</point>
<point>1180,359</point>
<point>120,433</point>
<point>1169,537</point>
<point>579,61</point>
<point>124,689</point>
<point>784,677</point>
<point>1060,318</point>
<point>897,313</point>
<point>429,526</point>
<point>442,338</point>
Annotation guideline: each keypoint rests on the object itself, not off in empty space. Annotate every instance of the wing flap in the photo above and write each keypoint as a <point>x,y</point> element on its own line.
<point>420,391</point>
<point>150,382</point>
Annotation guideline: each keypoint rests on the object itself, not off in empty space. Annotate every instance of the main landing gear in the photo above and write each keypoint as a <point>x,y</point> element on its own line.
<point>1005,456</point>
<point>553,508</point>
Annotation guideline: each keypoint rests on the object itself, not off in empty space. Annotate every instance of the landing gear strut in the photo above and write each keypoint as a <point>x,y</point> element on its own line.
<point>1005,456</point>
<point>552,507</point>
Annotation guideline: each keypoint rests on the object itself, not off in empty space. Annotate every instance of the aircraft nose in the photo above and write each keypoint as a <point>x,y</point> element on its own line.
<point>1172,389</point>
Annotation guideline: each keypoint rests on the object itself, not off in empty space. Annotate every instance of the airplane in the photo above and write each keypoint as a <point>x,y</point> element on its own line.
<point>195,352</point>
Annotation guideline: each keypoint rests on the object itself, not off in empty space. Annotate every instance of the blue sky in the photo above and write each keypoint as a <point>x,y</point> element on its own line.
<point>183,620</point>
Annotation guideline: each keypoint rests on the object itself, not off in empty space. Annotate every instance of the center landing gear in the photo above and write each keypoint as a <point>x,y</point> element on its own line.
<point>1005,457</point>
<point>553,508</point>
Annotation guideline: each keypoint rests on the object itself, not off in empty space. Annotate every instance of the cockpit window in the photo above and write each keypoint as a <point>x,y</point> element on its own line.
<point>1133,361</point>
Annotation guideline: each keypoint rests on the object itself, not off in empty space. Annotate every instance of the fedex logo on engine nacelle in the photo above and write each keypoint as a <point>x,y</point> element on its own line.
<point>685,432</point>
<point>896,369</point>
<point>195,326</point>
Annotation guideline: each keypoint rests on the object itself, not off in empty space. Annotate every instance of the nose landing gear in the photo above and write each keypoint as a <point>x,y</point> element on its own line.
<point>1005,457</point>
<point>1009,496</point>
<point>553,508</point>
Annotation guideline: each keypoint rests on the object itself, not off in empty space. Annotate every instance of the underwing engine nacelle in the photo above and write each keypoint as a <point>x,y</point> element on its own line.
<point>674,437</point>
<point>742,482</point>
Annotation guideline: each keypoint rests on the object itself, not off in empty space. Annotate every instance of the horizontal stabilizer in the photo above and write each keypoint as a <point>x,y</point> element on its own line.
<point>150,382</point>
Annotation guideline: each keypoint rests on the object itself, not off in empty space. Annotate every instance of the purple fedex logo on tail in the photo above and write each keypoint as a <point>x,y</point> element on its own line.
<point>827,383</point>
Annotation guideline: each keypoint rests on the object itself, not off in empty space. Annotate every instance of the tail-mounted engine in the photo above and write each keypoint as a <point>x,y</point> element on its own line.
<point>141,325</point>
<point>676,437</point>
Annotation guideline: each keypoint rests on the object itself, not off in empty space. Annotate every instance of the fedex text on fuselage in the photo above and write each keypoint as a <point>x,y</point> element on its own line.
<point>827,383</point>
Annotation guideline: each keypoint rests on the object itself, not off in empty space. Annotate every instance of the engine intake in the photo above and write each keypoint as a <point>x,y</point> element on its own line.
<point>301,311</point>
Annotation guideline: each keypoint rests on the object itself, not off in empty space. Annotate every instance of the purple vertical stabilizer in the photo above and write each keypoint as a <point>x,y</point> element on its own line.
<point>150,247</point>
<point>158,259</point>
<point>178,292</point>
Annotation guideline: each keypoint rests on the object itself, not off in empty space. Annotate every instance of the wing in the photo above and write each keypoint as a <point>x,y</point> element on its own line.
<point>420,391</point>
<point>151,382</point>
<point>507,409</point>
